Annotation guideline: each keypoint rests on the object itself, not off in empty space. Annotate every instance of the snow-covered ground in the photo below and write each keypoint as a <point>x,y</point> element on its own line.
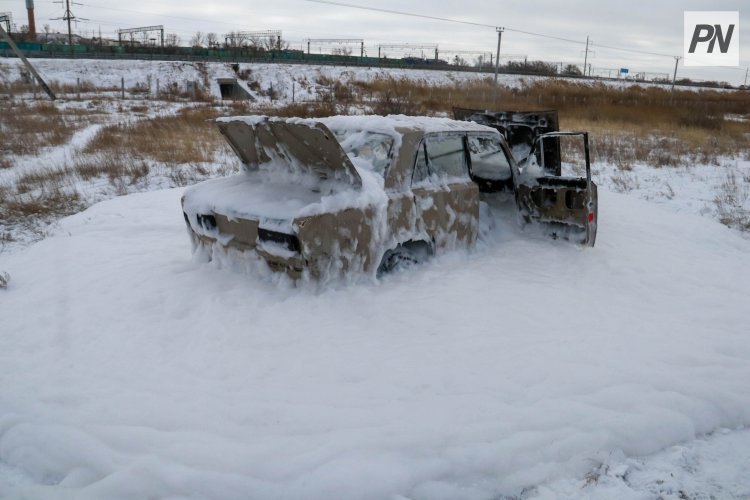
<point>308,78</point>
<point>110,73</point>
<point>526,368</point>
<point>685,188</point>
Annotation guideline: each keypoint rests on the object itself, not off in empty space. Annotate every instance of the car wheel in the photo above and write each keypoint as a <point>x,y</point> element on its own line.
<point>401,257</point>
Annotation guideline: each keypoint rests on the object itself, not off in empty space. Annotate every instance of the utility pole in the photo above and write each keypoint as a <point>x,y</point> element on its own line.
<point>746,70</point>
<point>497,61</point>
<point>497,55</point>
<point>676,62</point>
<point>68,16</point>
<point>586,57</point>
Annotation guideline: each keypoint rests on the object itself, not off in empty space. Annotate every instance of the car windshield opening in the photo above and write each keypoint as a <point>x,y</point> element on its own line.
<point>369,149</point>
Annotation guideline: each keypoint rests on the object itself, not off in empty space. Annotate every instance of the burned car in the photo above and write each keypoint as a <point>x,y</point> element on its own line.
<point>322,197</point>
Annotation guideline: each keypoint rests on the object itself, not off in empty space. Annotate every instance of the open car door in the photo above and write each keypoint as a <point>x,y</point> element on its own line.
<point>566,204</point>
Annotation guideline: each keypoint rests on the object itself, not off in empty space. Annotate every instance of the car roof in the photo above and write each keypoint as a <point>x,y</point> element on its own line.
<point>395,125</point>
<point>401,124</point>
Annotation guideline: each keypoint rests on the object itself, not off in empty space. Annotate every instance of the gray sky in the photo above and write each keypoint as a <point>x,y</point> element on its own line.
<point>634,24</point>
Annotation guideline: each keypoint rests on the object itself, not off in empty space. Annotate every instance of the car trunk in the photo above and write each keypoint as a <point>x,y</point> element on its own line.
<point>297,147</point>
<point>288,166</point>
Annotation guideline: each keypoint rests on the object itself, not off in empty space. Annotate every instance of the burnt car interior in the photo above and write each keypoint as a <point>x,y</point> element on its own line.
<point>490,167</point>
<point>566,203</point>
<point>520,129</point>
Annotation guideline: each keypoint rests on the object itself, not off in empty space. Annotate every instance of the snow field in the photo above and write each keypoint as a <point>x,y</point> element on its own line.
<point>526,367</point>
<point>129,371</point>
<point>109,73</point>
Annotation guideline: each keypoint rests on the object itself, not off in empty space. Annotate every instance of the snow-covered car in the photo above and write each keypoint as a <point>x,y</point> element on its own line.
<point>366,193</point>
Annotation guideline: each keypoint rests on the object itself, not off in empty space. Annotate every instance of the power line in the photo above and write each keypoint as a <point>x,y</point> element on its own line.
<point>445,19</point>
<point>69,17</point>
<point>579,42</point>
<point>389,11</point>
<point>472,23</point>
<point>636,51</point>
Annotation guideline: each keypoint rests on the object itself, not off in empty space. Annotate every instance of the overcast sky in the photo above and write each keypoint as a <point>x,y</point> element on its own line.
<point>651,26</point>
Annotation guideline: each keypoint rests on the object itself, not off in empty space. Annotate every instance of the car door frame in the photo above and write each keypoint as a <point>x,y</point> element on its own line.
<point>461,195</point>
<point>566,205</point>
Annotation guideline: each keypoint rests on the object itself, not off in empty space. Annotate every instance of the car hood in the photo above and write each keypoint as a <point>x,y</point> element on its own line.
<point>298,145</point>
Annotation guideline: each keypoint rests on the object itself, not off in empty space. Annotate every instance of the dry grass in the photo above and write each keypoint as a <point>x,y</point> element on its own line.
<point>44,194</point>
<point>628,125</point>
<point>45,205</point>
<point>44,180</point>
<point>315,109</point>
<point>123,156</point>
<point>125,171</point>
<point>186,137</point>
<point>26,129</point>
<point>24,86</point>
<point>173,91</point>
<point>85,86</point>
<point>15,87</point>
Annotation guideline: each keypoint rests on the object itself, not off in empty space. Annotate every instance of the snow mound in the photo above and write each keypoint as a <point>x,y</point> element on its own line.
<point>128,371</point>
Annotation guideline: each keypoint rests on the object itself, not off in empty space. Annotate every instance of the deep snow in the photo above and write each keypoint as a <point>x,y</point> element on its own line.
<point>129,371</point>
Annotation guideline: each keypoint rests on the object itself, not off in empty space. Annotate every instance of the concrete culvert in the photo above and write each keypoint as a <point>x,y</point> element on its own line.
<point>232,90</point>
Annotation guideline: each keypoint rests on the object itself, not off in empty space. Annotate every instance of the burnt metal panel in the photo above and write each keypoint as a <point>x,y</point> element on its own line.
<point>299,146</point>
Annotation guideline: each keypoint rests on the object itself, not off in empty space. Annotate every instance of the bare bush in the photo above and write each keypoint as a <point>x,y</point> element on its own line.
<point>624,183</point>
<point>731,202</point>
<point>392,103</point>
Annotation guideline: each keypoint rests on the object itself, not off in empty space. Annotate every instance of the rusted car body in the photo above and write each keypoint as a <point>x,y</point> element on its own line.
<point>319,198</point>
